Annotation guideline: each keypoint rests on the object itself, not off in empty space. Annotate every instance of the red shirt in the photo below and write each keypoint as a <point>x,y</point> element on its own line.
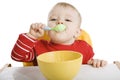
<point>25,48</point>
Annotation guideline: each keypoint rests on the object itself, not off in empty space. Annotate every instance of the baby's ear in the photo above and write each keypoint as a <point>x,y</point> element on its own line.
<point>77,33</point>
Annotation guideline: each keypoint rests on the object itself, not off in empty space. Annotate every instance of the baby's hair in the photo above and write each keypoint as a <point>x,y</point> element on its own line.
<point>64,4</point>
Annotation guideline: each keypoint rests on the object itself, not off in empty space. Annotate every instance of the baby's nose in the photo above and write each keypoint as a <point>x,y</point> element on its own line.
<point>60,22</point>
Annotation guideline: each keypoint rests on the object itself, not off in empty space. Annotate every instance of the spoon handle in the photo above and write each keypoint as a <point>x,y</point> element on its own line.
<point>47,28</point>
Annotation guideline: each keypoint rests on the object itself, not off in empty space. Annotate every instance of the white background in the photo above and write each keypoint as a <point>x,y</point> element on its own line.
<point>100,18</point>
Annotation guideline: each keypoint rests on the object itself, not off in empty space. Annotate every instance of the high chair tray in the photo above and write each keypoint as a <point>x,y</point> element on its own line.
<point>87,72</point>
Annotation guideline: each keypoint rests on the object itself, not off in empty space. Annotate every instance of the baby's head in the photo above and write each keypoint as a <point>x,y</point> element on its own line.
<point>64,13</point>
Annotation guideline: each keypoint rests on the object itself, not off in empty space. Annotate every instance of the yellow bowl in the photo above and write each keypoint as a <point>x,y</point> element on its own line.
<point>60,65</point>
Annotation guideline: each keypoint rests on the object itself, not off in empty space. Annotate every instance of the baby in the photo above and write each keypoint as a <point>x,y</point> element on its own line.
<point>28,46</point>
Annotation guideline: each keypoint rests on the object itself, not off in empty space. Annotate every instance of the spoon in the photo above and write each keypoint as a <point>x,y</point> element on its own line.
<point>58,28</point>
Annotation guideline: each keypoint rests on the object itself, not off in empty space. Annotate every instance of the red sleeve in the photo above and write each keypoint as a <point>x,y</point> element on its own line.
<point>86,50</point>
<point>23,49</point>
<point>90,53</point>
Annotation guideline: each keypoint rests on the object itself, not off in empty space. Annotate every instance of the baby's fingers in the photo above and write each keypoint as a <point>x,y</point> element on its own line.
<point>96,63</point>
<point>103,63</point>
<point>99,63</point>
<point>37,27</point>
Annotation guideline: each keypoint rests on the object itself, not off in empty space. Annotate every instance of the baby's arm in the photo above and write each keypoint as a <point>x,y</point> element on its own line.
<point>97,63</point>
<point>23,49</point>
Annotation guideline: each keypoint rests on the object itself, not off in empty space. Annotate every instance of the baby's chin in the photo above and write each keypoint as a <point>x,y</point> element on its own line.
<point>63,41</point>
<point>57,35</point>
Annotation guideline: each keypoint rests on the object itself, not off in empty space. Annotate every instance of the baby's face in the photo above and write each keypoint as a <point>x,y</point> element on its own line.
<point>67,16</point>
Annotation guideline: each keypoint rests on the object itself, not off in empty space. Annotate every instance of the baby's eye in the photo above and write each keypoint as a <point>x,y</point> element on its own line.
<point>68,20</point>
<point>53,19</point>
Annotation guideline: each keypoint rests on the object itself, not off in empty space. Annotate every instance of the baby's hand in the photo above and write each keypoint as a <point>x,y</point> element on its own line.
<point>97,63</point>
<point>36,30</point>
<point>117,63</point>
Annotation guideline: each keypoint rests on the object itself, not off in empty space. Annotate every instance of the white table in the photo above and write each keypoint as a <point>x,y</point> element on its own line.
<point>110,72</point>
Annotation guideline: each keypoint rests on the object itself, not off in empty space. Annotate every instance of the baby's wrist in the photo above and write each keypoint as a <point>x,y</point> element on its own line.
<point>31,36</point>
